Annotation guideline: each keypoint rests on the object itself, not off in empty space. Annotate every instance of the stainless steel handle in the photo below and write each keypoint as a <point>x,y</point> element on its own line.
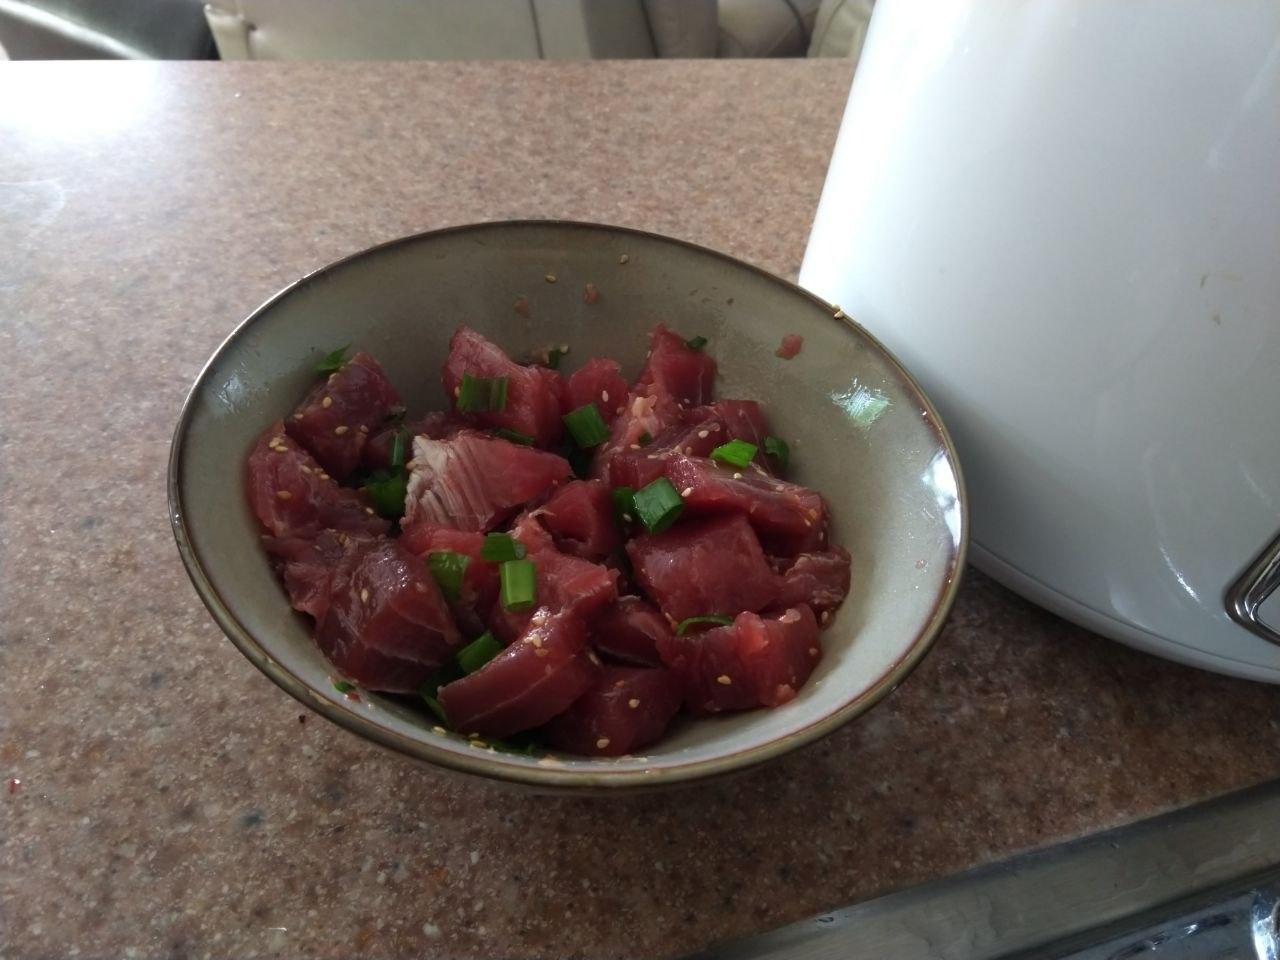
<point>1254,586</point>
<point>1240,927</point>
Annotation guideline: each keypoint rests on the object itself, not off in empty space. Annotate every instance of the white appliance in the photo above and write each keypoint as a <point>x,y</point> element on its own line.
<point>1064,217</point>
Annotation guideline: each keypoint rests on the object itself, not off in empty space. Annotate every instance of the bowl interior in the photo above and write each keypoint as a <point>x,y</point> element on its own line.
<point>859,429</point>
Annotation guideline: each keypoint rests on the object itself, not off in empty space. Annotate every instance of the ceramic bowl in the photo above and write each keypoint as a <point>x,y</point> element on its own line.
<point>860,429</point>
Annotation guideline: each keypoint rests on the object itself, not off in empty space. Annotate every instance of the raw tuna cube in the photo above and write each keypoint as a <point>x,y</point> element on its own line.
<point>533,680</point>
<point>626,708</point>
<point>387,626</point>
<point>755,661</point>
<point>439,425</point>
<point>580,517</point>
<point>700,567</point>
<point>292,497</point>
<point>641,415</point>
<point>474,482</point>
<point>597,381</point>
<point>480,581</point>
<point>630,630</point>
<point>676,370</point>
<point>307,565</point>
<point>564,583</point>
<point>820,580</point>
<point>705,429</point>
<point>790,519</point>
<point>335,419</point>
<point>533,393</point>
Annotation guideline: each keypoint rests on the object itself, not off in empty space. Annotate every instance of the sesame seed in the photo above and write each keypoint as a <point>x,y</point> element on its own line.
<point>813,651</point>
<point>737,476</point>
<point>323,475</point>
<point>635,446</point>
<point>297,416</point>
<point>686,491</point>
<point>564,348</point>
<point>541,652</point>
<point>440,730</point>
<point>363,428</point>
<point>591,655</point>
<point>420,586</point>
<point>283,495</point>
<point>604,396</point>
<point>535,640</point>
<point>627,517</point>
<point>808,522</point>
<point>602,743</point>
<point>305,469</point>
<point>688,451</point>
<point>724,680</point>
<point>364,595</point>
<point>457,391</point>
<point>618,412</point>
<point>826,615</point>
<point>633,703</point>
<point>327,402</point>
<point>624,258</point>
<point>473,736</point>
<point>813,514</point>
<point>651,456</point>
<point>369,511</point>
<point>479,744</point>
<point>550,278</point>
<point>340,429</point>
<point>704,434</point>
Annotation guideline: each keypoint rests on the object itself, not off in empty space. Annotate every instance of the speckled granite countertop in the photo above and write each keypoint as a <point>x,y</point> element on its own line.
<point>165,800</point>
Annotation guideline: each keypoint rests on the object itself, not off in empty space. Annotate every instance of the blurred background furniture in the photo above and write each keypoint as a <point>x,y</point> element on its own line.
<point>430,29</point>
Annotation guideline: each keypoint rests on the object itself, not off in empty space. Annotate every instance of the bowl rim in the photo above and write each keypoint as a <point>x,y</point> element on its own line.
<point>492,765</point>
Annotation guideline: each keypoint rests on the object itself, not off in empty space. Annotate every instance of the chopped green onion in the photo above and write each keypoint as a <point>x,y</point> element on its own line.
<point>478,394</point>
<point>343,686</point>
<point>696,343</point>
<point>645,439</point>
<point>478,652</point>
<point>736,452</point>
<point>778,449</point>
<point>500,547</point>
<point>448,569</point>
<point>684,625</point>
<point>435,706</point>
<point>658,505</point>
<point>333,362</point>
<point>587,426</point>
<point>553,358</point>
<point>519,587</point>
<point>579,459</point>
<point>515,436</point>
<point>624,505</point>
<point>387,492</point>
<point>397,449</point>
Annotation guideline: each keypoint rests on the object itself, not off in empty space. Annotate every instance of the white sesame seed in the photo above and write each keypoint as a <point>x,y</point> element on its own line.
<point>340,429</point>
<point>535,640</point>
<point>618,412</point>
<point>633,703</point>
<point>620,683</point>
<point>688,451</point>
<point>686,491</point>
<point>813,651</point>
<point>624,258</point>
<point>364,595</point>
<point>297,416</point>
<point>551,278</point>
<point>305,469</point>
<point>369,511</point>
<point>826,615</point>
<point>363,428</point>
<point>737,476</point>
<point>457,391</point>
<point>542,652</point>
<point>564,348</point>
<point>602,743</point>
<point>704,434</point>
<point>635,446</point>
<point>604,396</point>
<point>440,730</point>
<point>724,680</point>
<point>283,495</point>
<point>327,402</point>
